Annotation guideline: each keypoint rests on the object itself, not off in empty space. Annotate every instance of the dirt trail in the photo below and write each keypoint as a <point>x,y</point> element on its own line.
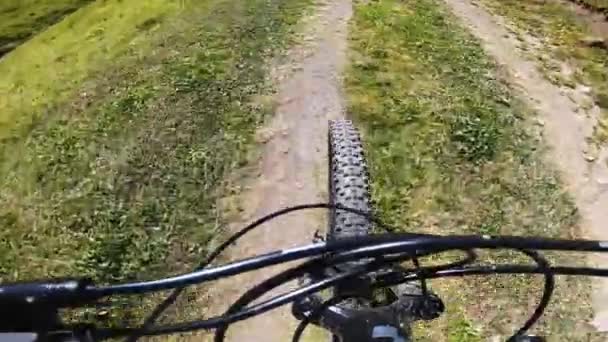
<point>566,127</point>
<point>293,162</point>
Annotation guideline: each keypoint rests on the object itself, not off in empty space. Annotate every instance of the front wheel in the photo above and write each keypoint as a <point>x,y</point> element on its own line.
<point>348,187</point>
<point>348,181</point>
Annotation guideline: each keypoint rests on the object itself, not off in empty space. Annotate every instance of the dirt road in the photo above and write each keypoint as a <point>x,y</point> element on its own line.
<point>293,163</point>
<point>566,125</point>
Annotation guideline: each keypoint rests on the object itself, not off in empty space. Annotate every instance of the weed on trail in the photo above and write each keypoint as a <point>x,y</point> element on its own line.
<point>122,183</point>
<point>450,152</point>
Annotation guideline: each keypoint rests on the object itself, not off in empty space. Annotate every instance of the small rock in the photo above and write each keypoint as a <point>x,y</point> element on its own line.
<point>539,122</point>
<point>590,153</point>
<point>585,89</point>
<point>589,158</point>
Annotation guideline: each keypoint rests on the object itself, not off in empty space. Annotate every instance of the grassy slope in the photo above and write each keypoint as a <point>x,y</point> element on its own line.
<point>64,55</point>
<point>563,30</point>
<point>122,182</point>
<point>21,19</point>
<point>450,153</point>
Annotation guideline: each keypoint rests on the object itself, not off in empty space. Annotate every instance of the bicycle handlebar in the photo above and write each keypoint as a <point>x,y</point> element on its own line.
<point>68,293</point>
<point>52,295</point>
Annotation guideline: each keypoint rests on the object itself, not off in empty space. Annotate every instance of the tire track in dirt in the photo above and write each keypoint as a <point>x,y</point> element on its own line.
<point>566,129</point>
<point>293,162</point>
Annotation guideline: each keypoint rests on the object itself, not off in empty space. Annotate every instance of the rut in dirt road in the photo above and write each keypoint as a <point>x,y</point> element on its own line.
<point>566,129</point>
<point>294,161</point>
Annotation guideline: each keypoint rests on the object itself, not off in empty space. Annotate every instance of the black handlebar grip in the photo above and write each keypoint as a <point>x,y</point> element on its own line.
<point>33,306</point>
<point>56,293</point>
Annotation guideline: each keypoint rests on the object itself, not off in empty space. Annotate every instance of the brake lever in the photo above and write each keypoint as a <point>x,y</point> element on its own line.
<point>418,306</point>
<point>410,301</point>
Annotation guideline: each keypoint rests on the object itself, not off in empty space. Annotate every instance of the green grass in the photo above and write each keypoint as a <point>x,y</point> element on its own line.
<point>49,67</point>
<point>22,19</point>
<point>451,151</point>
<point>461,330</point>
<point>122,180</point>
<point>563,31</point>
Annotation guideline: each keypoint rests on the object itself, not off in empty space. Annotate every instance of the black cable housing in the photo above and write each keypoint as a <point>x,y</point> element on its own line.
<point>379,250</point>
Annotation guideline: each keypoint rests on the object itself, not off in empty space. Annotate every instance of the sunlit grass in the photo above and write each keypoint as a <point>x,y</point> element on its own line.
<point>48,68</point>
<point>451,151</point>
<point>146,115</point>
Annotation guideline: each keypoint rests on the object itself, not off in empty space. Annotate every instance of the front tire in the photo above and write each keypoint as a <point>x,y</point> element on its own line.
<point>348,182</point>
<point>348,187</point>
